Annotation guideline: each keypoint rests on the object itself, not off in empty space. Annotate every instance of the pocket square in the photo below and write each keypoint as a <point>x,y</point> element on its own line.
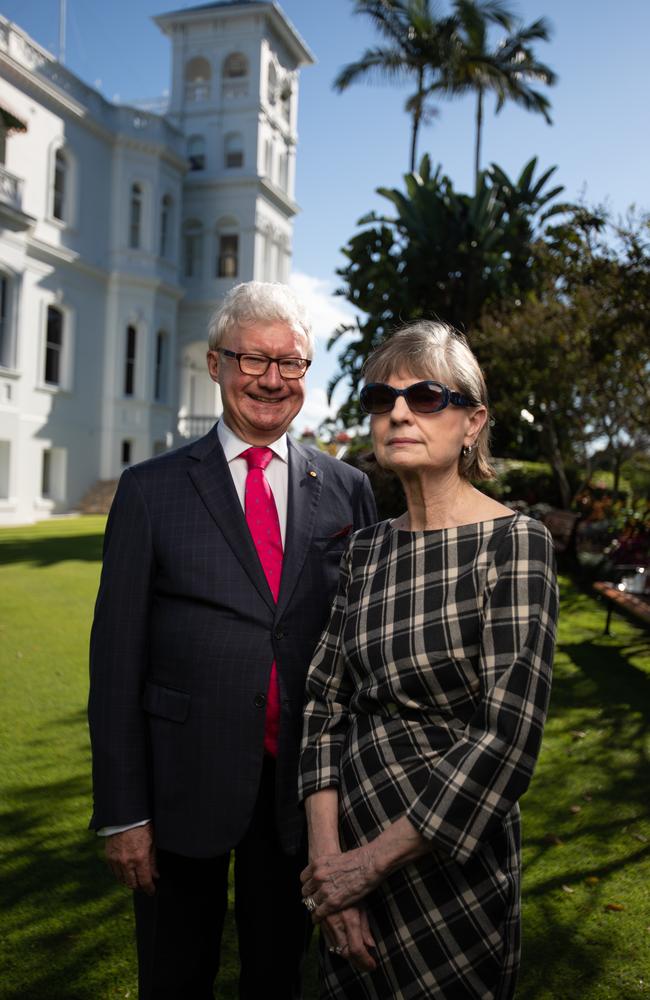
<point>343,532</point>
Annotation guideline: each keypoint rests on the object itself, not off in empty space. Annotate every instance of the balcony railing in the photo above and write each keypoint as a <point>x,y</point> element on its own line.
<point>192,426</point>
<point>11,189</point>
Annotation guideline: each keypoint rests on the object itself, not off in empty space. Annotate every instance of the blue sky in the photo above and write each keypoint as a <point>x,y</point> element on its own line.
<point>352,143</point>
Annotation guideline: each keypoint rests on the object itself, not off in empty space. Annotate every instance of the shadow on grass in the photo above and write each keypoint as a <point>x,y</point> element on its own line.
<point>49,551</point>
<point>62,915</point>
<point>597,756</point>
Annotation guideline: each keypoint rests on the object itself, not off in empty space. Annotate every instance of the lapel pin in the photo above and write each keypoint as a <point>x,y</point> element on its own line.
<point>313,473</point>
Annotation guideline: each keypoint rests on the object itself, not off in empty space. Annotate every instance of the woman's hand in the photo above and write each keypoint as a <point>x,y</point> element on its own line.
<point>336,881</point>
<point>347,933</point>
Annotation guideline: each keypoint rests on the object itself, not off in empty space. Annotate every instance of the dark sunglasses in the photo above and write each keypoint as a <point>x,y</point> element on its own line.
<point>421,397</point>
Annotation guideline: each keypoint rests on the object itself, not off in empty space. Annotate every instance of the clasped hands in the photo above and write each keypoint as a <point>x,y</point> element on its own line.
<point>335,883</point>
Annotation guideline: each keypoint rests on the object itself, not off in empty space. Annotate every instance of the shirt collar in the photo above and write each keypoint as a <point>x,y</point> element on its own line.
<point>233,445</point>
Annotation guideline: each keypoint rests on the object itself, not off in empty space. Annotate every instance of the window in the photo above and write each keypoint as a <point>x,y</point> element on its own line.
<point>165,225</point>
<point>135,216</point>
<point>53,473</point>
<point>6,339</point>
<point>228,261</point>
<point>53,346</point>
<point>193,249</point>
<point>60,193</point>
<point>5,466</point>
<point>235,66</point>
<point>160,370</point>
<point>268,159</point>
<point>196,152</point>
<point>129,360</point>
<point>198,74</point>
<point>234,150</point>
<point>271,84</point>
<point>126,452</point>
<point>285,97</point>
<point>46,473</point>
<point>284,170</point>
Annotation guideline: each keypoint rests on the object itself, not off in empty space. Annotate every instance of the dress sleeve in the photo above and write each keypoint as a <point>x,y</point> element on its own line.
<point>328,693</point>
<point>479,779</point>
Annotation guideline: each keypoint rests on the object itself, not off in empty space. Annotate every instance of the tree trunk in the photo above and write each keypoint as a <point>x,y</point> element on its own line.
<point>479,129</point>
<point>618,461</point>
<point>417,115</point>
<point>557,462</point>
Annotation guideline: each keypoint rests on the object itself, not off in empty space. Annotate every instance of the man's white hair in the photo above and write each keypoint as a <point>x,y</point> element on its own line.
<point>253,302</point>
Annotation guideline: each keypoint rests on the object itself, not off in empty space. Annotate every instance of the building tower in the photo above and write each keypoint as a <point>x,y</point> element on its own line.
<point>234,96</point>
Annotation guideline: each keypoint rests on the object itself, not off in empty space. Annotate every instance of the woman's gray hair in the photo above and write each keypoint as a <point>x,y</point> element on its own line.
<point>434,350</point>
<point>254,302</point>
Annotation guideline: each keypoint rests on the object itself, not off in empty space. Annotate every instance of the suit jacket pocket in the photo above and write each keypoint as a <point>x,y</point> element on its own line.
<point>166,702</point>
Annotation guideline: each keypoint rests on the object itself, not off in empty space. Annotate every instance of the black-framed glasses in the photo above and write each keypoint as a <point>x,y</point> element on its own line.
<point>258,364</point>
<point>421,397</point>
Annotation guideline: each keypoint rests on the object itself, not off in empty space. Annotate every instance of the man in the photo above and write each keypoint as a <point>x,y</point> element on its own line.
<point>220,565</point>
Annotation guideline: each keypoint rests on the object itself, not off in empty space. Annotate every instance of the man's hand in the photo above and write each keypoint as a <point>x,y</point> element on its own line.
<point>132,858</point>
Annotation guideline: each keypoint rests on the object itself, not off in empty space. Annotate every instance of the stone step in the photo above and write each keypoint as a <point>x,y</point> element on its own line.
<point>99,497</point>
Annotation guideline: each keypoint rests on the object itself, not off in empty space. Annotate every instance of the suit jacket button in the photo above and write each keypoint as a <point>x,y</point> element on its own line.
<point>279,634</point>
<point>259,700</point>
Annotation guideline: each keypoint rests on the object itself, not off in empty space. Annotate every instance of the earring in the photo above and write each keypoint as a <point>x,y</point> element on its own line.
<point>466,450</point>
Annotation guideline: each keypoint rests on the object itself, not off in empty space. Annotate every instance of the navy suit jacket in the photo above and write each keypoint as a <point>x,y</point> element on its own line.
<point>184,635</point>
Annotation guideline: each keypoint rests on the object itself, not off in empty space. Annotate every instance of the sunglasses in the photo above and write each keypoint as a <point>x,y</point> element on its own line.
<point>421,397</point>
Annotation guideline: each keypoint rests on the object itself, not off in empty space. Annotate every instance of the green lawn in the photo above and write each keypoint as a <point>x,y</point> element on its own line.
<point>65,928</point>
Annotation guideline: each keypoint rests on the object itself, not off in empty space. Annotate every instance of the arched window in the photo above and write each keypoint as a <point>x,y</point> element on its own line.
<point>198,75</point>
<point>271,84</point>
<point>135,217</point>
<point>192,249</point>
<point>166,206</point>
<point>235,66</point>
<point>228,262</point>
<point>196,152</point>
<point>233,150</point>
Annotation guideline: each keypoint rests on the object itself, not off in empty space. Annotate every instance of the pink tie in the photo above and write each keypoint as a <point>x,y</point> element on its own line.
<point>264,526</point>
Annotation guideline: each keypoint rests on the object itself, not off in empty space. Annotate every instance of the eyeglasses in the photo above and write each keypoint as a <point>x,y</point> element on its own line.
<point>421,397</point>
<point>258,364</point>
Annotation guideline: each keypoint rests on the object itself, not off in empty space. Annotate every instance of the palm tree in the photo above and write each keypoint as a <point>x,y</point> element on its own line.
<point>418,45</point>
<point>506,70</point>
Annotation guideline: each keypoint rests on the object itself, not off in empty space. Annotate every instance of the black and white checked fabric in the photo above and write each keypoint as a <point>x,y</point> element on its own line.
<point>427,697</point>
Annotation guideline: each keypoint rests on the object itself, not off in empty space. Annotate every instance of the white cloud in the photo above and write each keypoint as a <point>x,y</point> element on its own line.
<point>327,310</point>
<point>315,410</point>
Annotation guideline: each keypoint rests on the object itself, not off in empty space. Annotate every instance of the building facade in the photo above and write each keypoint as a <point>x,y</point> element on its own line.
<point>120,230</point>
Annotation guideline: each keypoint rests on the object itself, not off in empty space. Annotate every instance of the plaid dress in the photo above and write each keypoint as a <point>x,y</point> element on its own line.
<point>427,697</point>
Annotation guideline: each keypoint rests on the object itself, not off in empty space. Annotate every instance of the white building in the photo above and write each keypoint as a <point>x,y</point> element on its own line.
<point>120,230</point>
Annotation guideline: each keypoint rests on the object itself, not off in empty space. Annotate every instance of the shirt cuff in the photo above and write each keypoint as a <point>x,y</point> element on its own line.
<point>108,831</point>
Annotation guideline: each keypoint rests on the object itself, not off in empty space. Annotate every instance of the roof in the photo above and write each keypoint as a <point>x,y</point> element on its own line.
<point>290,34</point>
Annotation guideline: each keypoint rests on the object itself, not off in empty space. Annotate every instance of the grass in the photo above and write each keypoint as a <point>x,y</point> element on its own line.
<point>65,928</point>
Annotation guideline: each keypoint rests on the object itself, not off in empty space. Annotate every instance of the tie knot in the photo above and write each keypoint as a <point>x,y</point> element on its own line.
<point>257,458</point>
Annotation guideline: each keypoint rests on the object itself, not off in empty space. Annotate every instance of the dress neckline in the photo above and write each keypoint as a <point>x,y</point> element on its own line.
<point>456,527</point>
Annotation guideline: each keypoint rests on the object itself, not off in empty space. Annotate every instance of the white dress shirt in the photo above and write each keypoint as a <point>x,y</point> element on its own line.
<point>277,476</point>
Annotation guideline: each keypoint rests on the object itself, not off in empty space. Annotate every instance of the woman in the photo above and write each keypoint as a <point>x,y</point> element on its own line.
<point>426,701</point>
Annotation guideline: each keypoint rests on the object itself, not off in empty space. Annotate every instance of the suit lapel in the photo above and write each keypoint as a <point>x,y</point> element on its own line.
<point>212,479</point>
<point>305,485</point>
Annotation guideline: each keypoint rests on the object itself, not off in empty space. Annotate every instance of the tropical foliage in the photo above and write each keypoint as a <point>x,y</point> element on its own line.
<point>440,253</point>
